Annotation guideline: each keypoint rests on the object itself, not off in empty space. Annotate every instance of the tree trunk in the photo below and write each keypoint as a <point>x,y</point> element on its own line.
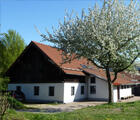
<point>110,87</point>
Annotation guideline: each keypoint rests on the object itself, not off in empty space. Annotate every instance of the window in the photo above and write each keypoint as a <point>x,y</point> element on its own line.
<point>92,89</point>
<point>92,80</point>
<point>127,86</point>
<point>36,90</point>
<point>18,88</point>
<point>72,90</point>
<point>122,87</point>
<point>82,90</point>
<point>51,91</point>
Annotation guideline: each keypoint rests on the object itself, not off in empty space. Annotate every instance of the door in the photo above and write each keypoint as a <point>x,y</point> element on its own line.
<point>118,92</point>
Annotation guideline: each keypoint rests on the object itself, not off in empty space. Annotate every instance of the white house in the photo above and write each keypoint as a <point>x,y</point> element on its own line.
<point>39,74</point>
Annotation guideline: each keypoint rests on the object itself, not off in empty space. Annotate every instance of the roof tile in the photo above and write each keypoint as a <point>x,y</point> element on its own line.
<point>74,67</point>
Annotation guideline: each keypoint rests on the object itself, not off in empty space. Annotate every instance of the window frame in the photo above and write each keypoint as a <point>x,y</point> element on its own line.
<point>82,90</point>
<point>93,80</point>
<point>92,89</point>
<point>72,91</point>
<point>36,90</point>
<point>51,90</point>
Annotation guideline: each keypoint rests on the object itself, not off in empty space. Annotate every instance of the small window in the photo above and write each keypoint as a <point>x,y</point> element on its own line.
<point>82,90</point>
<point>127,86</point>
<point>51,91</point>
<point>36,90</point>
<point>92,80</point>
<point>72,90</point>
<point>92,89</point>
<point>122,87</point>
<point>18,88</point>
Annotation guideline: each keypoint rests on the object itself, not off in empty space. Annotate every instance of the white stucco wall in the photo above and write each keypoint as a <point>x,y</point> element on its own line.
<point>115,94</point>
<point>101,90</point>
<point>62,91</point>
<point>125,92</point>
<point>77,95</point>
<point>28,90</point>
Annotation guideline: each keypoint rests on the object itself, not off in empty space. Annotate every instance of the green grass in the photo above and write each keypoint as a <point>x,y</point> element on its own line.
<point>117,111</point>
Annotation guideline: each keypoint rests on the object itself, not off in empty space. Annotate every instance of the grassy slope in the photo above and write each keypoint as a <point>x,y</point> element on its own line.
<point>118,111</point>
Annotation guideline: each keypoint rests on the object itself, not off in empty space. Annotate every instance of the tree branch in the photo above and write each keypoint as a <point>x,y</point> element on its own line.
<point>115,77</point>
<point>129,64</point>
<point>96,64</point>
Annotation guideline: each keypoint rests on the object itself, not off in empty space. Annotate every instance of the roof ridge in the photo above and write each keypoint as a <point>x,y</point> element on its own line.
<point>41,44</point>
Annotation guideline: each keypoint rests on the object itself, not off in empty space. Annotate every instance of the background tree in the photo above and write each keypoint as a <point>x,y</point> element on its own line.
<point>11,46</point>
<point>108,36</point>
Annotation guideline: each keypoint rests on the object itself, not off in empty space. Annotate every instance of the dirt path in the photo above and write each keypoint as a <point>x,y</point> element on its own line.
<point>46,108</point>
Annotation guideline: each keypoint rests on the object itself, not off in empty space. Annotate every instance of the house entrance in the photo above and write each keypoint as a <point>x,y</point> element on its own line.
<point>118,92</point>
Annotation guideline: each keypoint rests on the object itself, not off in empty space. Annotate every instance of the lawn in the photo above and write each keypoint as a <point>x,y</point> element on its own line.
<point>116,111</point>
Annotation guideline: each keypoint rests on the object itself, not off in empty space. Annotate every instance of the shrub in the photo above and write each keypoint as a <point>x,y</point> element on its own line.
<point>4,105</point>
<point>15,103</point>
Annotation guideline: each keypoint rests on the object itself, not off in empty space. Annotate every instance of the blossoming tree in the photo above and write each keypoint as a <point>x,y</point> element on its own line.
<point>108,36</point>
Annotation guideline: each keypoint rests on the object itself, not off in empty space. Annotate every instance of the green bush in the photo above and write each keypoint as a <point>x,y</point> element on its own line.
<point>3,82</point>
<point>15,103</point>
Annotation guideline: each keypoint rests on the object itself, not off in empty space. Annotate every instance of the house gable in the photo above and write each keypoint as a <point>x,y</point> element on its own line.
<point>38,57</point>
<point>34,67</point>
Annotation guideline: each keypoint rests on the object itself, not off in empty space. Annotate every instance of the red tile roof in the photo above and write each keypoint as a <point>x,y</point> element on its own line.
<point>74,67</point>
<point>121,79</point>
<point>56,56</point>
<point>133,76</point>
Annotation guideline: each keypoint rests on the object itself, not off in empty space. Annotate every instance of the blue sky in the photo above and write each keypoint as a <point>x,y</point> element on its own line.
<point>22,15</point>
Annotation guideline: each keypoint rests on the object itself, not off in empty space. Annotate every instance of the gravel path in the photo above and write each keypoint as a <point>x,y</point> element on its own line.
<point>46,108</point>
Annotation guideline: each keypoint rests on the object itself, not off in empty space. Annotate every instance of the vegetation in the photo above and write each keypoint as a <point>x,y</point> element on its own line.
<point>109,37</point>
<point>133,69</point>
<point>3,83</point>
<point>15,103</point>
<point>116,111</point>
<point>7,102</point>
<point>11,46</point>
<point>4,104</point>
